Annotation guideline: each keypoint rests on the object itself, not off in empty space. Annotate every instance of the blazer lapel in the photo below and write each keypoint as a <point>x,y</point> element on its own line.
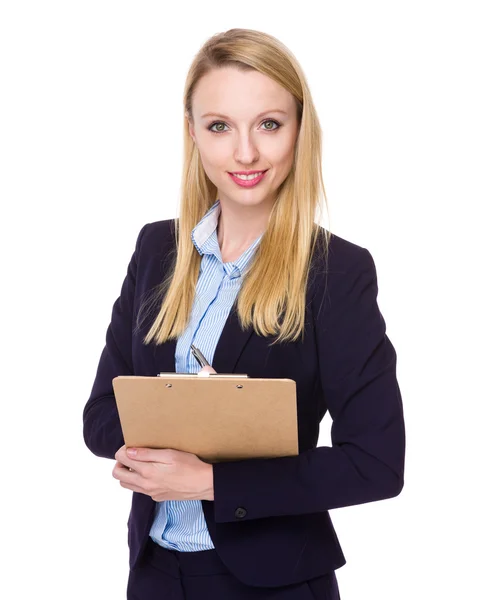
<point>231,343</point>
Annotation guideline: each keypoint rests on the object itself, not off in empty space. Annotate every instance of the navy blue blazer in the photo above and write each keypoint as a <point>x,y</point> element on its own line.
<point>269,520</point>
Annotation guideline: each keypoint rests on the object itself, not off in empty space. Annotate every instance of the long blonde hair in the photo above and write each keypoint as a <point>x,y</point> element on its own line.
<point>275,284</point>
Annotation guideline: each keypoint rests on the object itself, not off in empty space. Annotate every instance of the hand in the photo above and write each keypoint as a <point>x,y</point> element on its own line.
<point>165,474</point>
<point>207,370</point>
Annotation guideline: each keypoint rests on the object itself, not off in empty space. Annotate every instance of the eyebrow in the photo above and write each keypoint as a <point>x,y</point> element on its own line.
<point>214,114</point>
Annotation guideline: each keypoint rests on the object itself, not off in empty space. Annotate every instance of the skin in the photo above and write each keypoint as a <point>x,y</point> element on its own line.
<point>166,474</point>
<point>246,141</point>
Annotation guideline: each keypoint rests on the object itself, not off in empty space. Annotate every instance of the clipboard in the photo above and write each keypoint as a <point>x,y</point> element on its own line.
<point>219,417</point>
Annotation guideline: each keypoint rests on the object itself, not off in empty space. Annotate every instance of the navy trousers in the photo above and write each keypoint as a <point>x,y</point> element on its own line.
<point>172,575</point>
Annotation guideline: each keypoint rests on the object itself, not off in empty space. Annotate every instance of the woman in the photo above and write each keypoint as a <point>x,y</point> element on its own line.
<point>247,275</point>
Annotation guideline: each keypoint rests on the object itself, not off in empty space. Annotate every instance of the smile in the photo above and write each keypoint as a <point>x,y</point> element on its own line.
<point>248,180</point>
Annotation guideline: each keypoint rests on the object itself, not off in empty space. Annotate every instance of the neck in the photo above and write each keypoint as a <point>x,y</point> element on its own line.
<point>239,226</point>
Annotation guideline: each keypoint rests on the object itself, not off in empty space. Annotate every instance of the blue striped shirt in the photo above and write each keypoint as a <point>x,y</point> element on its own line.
<point>180,524</point>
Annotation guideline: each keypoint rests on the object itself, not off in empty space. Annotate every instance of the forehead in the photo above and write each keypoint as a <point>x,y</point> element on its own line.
<point>239,93</point>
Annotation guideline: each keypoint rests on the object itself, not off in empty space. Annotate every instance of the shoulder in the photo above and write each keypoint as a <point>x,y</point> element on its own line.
<point>342,255</point>
<point>155,247</point>
<point>156,239</point>
<point>341,270</point>
<point>157,233</point>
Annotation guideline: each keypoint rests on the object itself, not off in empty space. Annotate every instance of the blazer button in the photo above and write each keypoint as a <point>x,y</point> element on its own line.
<point>240,513</point>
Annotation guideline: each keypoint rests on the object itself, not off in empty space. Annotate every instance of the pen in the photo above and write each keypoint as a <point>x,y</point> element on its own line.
<point>199,357</point>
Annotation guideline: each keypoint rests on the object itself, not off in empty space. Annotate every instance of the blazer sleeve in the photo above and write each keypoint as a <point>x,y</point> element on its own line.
<point>357,364</point>
<point>101,424</point>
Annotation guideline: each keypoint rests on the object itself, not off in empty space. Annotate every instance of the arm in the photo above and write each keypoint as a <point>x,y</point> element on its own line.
<point>357,364</point>
<point>101,424</point>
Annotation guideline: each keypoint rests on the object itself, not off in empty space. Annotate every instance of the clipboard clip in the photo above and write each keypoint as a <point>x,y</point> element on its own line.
<point>206,374</point>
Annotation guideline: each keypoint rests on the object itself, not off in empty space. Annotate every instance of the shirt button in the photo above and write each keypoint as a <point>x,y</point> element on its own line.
<point>240,513</point>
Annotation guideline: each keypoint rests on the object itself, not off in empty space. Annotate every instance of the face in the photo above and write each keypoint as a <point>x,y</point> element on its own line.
<point>251,126</point>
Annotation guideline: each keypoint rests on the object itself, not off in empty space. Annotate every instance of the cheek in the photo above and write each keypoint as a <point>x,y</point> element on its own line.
<point>280,151</point>
<point>213,156</point>
<point>283,160</point>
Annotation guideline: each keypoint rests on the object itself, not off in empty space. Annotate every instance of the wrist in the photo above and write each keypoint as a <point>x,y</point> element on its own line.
<point>208,487</point>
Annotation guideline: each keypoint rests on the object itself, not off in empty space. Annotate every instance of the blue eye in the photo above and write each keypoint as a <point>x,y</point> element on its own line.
<point>263,123</point>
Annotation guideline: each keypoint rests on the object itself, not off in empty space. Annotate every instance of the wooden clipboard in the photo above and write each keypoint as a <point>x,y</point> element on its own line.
<point>218,418</point>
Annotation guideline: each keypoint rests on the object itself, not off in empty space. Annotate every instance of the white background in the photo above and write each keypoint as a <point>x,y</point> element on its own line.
<point>90,150</point>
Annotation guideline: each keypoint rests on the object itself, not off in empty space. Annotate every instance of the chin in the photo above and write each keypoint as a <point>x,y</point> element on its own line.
<point>246,199</point>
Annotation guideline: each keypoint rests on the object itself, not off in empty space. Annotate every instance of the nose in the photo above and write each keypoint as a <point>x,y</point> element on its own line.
<point>246,152</point>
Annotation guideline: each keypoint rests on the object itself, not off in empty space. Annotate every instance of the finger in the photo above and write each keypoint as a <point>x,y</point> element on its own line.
<point>157,455</point>
<point>127,461</point>
<point>120,452</point>
<point>133,488</point>
<point>207,370</point>
<point>130,480</point>
<point>125,473</point>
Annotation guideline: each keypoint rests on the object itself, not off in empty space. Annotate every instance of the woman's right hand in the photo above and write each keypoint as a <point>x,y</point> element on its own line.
<point>203,372</point>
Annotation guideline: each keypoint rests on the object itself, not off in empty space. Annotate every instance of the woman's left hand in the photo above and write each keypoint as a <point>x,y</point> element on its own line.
<point>164,474</point>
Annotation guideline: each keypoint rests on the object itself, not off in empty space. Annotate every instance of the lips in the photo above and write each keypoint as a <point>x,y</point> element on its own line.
<point>247,183</point>
<point>246,172</point>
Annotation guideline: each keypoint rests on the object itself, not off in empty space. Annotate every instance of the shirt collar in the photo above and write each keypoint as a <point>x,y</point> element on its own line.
<point>204,238</point>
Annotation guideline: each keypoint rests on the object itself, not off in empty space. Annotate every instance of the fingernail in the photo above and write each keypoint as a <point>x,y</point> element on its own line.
<point>131,452</point>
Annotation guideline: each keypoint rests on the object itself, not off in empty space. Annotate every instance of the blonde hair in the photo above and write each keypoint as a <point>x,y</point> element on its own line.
<point>276,281</point>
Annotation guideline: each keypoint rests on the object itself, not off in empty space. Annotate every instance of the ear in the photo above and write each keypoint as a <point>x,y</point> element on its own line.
<point>191,127</point>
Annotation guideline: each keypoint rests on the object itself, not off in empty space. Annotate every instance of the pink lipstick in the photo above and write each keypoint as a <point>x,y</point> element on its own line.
<point>248,182</point>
